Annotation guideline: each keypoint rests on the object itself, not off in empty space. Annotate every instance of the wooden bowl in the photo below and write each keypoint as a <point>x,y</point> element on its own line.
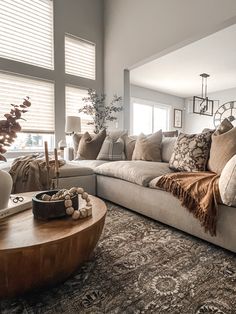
<point>51,209</point>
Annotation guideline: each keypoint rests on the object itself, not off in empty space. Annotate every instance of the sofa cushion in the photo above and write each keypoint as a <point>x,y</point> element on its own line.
<point>139,172</point>
<point>112,149</point>
<point>148,147</point>
<point>167,148</point>
<point>191,152</point>
<point>89,146</point>
<point>71,169</point>
<point>227,183</point>
<point>92,164</point>
<point>223,148</point>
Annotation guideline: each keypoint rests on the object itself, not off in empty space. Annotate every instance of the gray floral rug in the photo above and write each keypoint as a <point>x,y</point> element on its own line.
<point>142,266</point>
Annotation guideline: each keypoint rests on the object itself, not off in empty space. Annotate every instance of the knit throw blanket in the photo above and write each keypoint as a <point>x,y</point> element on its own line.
<point>29,173</point>
<point>198,192</point>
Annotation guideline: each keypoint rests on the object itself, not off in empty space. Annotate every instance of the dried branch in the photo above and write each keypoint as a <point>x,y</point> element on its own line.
<point>10,125</point>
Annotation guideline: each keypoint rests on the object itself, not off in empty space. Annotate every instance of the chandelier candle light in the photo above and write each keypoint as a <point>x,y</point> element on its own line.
<point>47,161</point>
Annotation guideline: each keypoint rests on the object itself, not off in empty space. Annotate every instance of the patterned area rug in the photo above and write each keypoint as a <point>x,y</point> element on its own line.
<point>142,266</point>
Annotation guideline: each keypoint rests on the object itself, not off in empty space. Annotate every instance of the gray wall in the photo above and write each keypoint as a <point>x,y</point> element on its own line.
<point>135,30</point>
<point>158,97</point>
<point>82,18</point>
<point>195,123</point>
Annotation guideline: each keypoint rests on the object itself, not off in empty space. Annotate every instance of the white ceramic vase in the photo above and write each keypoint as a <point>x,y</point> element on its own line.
<point>5,188</point>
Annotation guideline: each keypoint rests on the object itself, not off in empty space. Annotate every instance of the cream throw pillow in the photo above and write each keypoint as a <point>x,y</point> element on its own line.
<point>112,149</point>
<point>227,183</point>
<point>89,146</point>
<point>223,148</point>
<point>148,147</point>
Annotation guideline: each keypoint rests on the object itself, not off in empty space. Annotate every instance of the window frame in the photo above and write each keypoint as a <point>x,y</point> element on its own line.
<point>152,104</point>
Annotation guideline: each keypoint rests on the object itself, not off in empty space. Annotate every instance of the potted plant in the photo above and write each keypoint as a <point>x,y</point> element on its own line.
<point>101,113</point>
<point>8,133</point>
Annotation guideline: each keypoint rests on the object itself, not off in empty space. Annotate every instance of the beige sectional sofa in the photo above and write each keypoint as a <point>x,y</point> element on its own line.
<point>132,184</point>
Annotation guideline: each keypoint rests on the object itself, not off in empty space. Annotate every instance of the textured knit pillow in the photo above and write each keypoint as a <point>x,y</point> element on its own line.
<point>89,146</point>
<point>148,147</point>
<point>112,149</point>
<point>223,148</point>
<point>191,152</point>
<point>227,183</point>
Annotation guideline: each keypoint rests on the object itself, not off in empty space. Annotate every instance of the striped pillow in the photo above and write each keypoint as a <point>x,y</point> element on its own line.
<point>112,149</point>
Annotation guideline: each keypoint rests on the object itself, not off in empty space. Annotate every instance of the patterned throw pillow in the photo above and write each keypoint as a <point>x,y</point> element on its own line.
<point>191,152</point>
<point>112,149</point>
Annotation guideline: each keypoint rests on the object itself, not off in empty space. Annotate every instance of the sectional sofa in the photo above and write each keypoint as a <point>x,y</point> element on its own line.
<point>132,184</point>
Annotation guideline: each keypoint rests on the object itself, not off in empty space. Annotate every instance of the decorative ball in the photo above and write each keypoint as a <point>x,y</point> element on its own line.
<point>76,215</point>
<point>68,203</point>
<point>83,212</point>
<point>70,211</point>
<point>88,203</point>
<point>73,190</point>
<point>89,211</point>
<point>85,195</point>
<point>46,197</point>
<point>67,197</point>
<point>80,190</point>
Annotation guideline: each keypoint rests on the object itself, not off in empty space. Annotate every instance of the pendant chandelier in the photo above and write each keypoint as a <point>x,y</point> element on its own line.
<point>202,104</point>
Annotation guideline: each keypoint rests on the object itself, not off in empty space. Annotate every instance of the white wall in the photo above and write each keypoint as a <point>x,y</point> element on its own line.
<point>80,18</point>
<point>195,123</point>
<point>158,97</point>
<point>138,29</point>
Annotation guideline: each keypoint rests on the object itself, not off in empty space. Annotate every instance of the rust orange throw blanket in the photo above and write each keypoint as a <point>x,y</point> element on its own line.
<point>198,192</point>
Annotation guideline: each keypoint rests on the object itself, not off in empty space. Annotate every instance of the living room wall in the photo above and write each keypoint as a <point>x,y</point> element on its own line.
<point>136,31</point>
<point>80,18</point>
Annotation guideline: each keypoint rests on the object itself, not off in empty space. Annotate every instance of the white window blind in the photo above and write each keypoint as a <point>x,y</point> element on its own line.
<point>74,102</point>
<point>80,57</point>
<point>40,117</point>
<point>26,31</point>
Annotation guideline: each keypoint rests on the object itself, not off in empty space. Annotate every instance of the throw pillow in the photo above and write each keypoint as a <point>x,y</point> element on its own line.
<point>225,126</point>
<point>89,146</point>
<point>167,148</point>
<point>129,146</point>
<point>227,183</point>
<point>112,149</point>
<point>148,147</point>
<point>76,139</point>
<point>191,152</point>
<point>223,148</point>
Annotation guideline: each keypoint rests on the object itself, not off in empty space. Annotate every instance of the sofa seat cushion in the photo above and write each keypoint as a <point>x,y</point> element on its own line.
<point>71,169</point>
<point>138,171</point>
<point>92,164</point>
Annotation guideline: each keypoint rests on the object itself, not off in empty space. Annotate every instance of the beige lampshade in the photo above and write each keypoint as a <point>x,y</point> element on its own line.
<point>73,124</point>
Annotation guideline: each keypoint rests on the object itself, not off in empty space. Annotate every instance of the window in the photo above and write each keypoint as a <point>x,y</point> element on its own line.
<point>26,31</point>
<point>80,57</point>
<point>40,117</point>
<point>74,102</point>
<point>148,117</point>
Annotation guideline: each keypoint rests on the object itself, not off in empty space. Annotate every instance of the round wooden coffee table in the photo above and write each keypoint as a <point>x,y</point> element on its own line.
<point>36,253</point>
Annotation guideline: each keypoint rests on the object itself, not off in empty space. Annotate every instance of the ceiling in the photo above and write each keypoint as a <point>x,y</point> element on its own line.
<point>177,73</point>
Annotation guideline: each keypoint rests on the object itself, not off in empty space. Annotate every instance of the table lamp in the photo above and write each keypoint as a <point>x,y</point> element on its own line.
<point>73,125</point>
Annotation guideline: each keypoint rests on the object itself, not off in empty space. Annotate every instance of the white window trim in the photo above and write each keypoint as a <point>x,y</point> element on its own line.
<point>152,104</point>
